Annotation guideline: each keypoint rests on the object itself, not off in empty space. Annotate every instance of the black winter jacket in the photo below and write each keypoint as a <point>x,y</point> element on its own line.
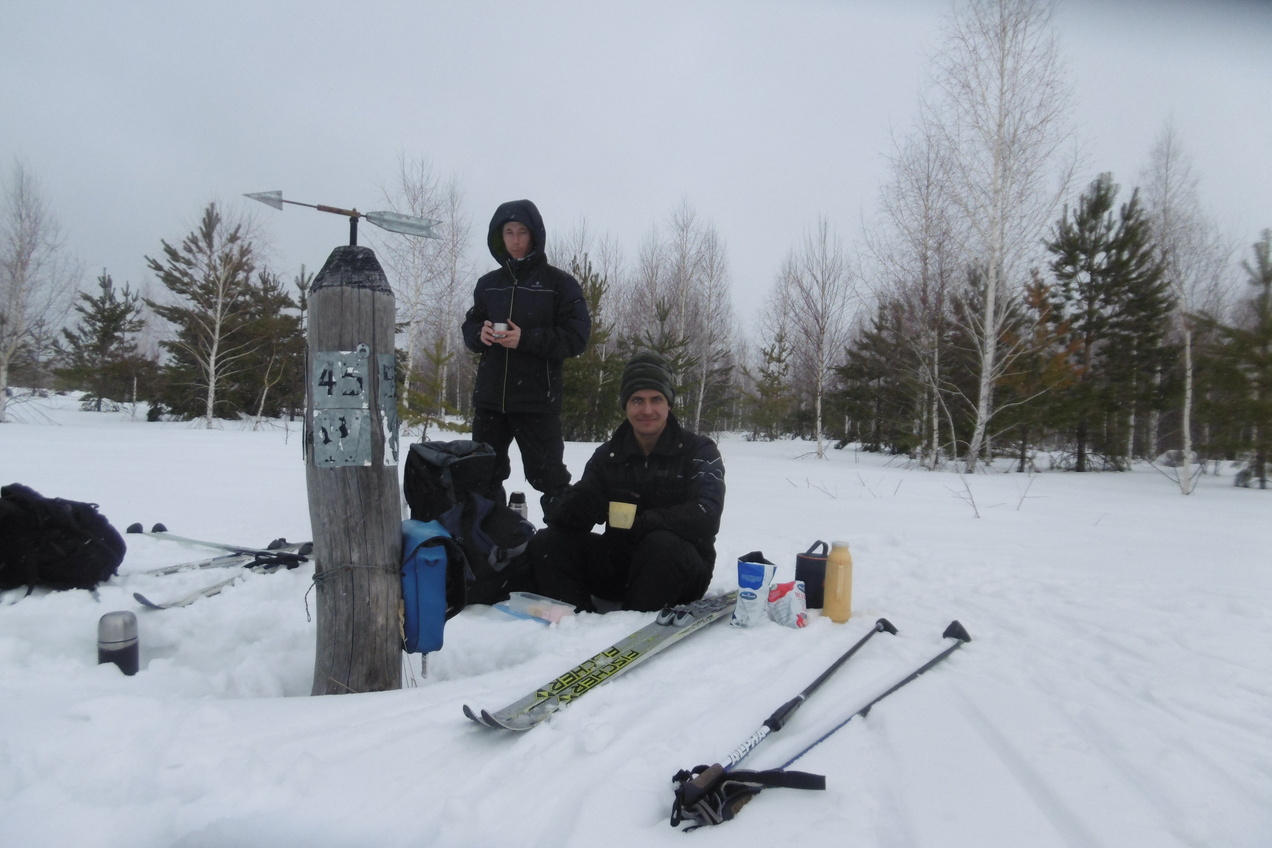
<point>545,302</point>
<point>679,487</point>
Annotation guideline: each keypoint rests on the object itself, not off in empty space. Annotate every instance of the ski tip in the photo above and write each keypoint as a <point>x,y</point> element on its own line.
<point>144,601</point>
<point>956,631</point>
<point>280,542</point>
<point>158,528</point>
<point>468,711</point>
<point>490,721</point>
<point>135,528</point>
<point>886,626</point>
<point>306,549</point>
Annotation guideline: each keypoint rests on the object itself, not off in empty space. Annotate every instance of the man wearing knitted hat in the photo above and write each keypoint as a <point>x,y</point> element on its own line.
<point>659,491</point>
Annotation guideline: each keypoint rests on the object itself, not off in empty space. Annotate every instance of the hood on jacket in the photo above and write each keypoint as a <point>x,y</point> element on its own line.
<point>523,212</point>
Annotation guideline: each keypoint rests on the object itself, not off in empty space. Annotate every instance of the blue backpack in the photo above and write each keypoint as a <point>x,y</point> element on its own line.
<point>474,553</point>
<point>460,546</point>
<point>432,592</point>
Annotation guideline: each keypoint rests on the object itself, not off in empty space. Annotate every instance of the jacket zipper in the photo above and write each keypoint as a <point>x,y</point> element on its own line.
<point>503,386</point>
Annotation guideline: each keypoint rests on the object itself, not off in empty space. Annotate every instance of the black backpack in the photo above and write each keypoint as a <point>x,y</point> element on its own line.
<point>493,539</point>
<point>451,482</point>
<point>53,542</point>
<point>439,474</point>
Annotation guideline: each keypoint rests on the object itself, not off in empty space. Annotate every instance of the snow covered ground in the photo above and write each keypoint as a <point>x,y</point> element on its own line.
<point>1116,691</point>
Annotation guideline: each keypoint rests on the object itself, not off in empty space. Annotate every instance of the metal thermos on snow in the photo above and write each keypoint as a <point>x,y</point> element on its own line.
<point>117,641</point>
<point>517,503</point>
<point>838,601</point>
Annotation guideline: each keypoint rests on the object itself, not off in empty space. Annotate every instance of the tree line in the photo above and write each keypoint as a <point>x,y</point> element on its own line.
<point>993,306</point>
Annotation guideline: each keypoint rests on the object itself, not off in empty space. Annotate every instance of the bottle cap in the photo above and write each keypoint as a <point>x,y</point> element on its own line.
<point>117,629</point>
<point>839,544</point>
<point>517,498</point>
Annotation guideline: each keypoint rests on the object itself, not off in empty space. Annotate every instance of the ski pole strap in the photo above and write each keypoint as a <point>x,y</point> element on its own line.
<point>707,795</point>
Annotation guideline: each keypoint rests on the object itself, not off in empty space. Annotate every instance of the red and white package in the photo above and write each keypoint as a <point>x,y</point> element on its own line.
<point>787,604</point>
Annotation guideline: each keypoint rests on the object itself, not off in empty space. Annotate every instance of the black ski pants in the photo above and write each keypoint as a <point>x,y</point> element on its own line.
<point>538,438</point>
<point>648,574</point>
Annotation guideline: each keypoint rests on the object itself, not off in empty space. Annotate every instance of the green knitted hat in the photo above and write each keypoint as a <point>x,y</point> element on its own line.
<point>647,370</point>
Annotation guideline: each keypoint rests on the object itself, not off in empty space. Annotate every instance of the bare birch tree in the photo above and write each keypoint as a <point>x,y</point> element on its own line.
<point>643,292</point>
<point>1196,260</point>
<point>915,254</point>
<point>582,246</point>
<point>604,251</point>
<point>999,112</point>
<point>679,295</point>
<point>710,343</point>
<point>431,278</point>
<point>817,295</point>
<point>37,275</point>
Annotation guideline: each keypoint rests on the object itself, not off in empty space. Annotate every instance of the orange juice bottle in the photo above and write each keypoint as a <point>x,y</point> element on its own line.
<point>838,603</point>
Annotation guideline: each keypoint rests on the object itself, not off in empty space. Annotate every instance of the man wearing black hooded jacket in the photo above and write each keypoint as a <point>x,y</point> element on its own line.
<point>527,317</point>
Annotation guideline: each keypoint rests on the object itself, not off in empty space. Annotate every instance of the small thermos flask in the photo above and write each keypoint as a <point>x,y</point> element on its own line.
<point>117,641</point>
<point>810,567</point>
<point>517,503</point>
<point>838,602</point>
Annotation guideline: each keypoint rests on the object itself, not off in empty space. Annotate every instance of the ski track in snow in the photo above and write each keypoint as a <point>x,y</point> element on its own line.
<point>1114,693</point>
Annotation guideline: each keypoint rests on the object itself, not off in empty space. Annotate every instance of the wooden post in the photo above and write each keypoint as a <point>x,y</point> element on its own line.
<point>351,475</point>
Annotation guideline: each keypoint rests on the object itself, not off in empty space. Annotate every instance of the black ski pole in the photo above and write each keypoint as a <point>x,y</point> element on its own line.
<point>692,790</point>
<point>954,631</point>
<point>778,719</point>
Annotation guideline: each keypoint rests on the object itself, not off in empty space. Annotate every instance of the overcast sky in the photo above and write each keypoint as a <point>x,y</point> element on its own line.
<point>762,114</point>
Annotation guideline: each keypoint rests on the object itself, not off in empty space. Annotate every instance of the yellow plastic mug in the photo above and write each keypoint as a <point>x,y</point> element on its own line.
<point>622,515</point>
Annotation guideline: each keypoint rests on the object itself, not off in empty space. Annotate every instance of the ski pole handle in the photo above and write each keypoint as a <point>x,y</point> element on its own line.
<point>701,784</point>
<point>778,719</point>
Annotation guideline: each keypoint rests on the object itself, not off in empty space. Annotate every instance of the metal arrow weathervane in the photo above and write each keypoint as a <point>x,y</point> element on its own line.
<point>391,221</point>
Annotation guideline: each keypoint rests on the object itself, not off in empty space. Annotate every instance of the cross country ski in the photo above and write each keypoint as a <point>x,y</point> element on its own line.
<point>672,625</point>
<point>262,562</point>
<point>186,600</point>
<point>159,531</point>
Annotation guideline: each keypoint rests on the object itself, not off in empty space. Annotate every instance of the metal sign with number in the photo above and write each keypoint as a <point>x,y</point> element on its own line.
<point>342,413</point>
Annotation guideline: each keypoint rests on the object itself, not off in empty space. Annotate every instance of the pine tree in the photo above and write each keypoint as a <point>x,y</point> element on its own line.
<point>1032,392</point>
<point>1140,326</point>
<point>770,403</point>
<point>661,337</point>
<point>589,411</point>
<point>1256,347</point>
<point>100,352</point>
<point>271,382</point>
<point>1111,296</point>
<point>1243,362</point>
<point>210,273</point>
<point>876,400</point>
<point>424,402</point>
